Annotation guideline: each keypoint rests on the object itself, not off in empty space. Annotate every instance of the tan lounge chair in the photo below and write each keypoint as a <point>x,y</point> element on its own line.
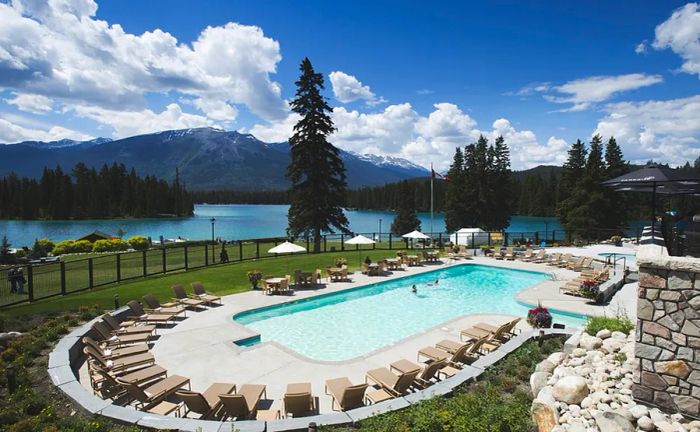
<point>575,263</point>
<point>141,315</point>
<point>510,253</point>
<point>345,394</point>
<point>565,260</point>
<point>120,363</point>
<point>206,404</point>
<point>182,297</point>
<point>114,353</point>
<point>298,400</point>
<point>527,256</point>
<point>586,264</point>
<point>396,385</point>
<point>540,257</point>
<point>554,259</point>
<point>147,397</point>
<point>103,330</point>
<point>242,404</point>
<point>462,353</point>
<point>105,382</point>
<point>166,308</point>
<point>428,371</point>
<point>118,329</point>
<point>203,295</point>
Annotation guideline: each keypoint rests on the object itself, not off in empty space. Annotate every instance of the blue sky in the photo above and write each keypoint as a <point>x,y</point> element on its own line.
<point>408,79</point>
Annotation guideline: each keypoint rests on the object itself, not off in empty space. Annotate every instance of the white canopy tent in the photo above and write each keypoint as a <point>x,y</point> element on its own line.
<point>465,236</point>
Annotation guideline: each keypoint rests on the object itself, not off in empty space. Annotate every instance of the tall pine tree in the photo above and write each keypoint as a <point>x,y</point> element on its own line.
<point>316,171</point>
<point>455,211</point>
<point>406,219</point>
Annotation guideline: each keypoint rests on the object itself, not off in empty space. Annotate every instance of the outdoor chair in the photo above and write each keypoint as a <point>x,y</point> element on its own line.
<point>152,395</point>
<point>396,385</point>
<point>182,297</point>
<point>120,363</point>
<point>141,315</point>
<point>155,306</point>
<point>106,384</point>
<point>298,400</point>
<point>110,354</point>
<point>118,329</point>
<point>527,256</point>
<point>565,260</point>
<point>104,331</point>
<point>554,259</point>
<point>242,404</point>
<point>203,295</point>
<point>540,257</point>
<point>510,253</point>
<point>206,404</point>
<point>462,354</point>
<point>345,394</point>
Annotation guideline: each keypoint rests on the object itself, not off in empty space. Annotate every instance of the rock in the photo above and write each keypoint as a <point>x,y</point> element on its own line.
<point>603,334</point>
<point>589,342</point>
<point>612,345</point>
<point>544,415</point>
<point>619,335</point>
<point>537,381</point>
<point>545,395</point>
<point>613,422</point>
<point>563,371</point>
<point>677,368</point>
<point>570,389</point>
<point>7,337</point>
<point>556,358</point>
<point>624,412</point>
<point>545,366</point>
<point>587,402</point>
<point>665,426</point>
<point>644,423</point>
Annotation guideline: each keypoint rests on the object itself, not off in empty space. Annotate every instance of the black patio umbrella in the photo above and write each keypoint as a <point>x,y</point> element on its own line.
<point>656,179</point>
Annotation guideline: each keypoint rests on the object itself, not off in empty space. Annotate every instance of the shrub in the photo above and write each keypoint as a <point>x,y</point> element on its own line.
<point>46,244</point>
<point>64,247</point>
<point>82,246</point>
<point>110,245</point>
<point>138,242</point>
<point>617,323</point>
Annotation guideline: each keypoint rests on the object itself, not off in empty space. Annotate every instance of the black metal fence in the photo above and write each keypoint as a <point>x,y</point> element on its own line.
<point>73,274</point>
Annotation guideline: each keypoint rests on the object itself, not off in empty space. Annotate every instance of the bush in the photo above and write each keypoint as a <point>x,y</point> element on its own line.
<point>138,242</point>
<point>618,323</point>
<point>111,245</point>
<point>46,244</point>
<point>64,247</point>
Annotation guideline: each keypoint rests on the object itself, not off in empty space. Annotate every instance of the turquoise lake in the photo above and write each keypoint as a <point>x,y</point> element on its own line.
<point>233,222</point>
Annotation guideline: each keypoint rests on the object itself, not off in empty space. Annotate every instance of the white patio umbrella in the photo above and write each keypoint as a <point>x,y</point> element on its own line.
<point>286,247</point>
<point>415,235</point>
<point>359,240</point>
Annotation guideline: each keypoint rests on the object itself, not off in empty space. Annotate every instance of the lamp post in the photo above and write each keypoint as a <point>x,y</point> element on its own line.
<point>380,229</point>
<point>213,221</point>
<point>546,225</point>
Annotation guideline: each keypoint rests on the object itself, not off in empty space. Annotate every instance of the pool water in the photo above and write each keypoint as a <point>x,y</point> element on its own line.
<point>345,325</point>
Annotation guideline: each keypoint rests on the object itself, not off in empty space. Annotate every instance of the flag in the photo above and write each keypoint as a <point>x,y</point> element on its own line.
<point>435,174</point>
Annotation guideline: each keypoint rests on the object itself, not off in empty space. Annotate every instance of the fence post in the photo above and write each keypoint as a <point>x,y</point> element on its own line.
<point>505,239</point>
<point>90,274</point>
<point>342,242</point>
<point>325,239</point>
<point>473,241</point>
<point>63,278</point>
<point>440,239</point>
<point>240,250</point>
<point>537,237</point>
<point>554,236</point>
<point>164,259</point>
<point>307,243</point>
<point>187,259</point>
<point>257,248</point>
<point>145,263</point>
<point>119,267</point>
<point>206,255</point>
<point>374,245</point>
<point>390,247</point>
<point>488,239</point>
<point>30,282</point>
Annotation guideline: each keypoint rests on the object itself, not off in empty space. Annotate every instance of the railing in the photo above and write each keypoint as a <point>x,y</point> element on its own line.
<point>74,274</point>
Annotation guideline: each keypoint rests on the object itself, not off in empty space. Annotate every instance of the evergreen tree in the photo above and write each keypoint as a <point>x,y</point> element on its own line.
<point>38,250</point>
<point>617,210</point>
<point>406,219</point>
<point>455,211</point>
<point>316,170</point>
<point>572,172</point>
<point>5,257</point>
<point>499,178</point>
<point>615,164</point>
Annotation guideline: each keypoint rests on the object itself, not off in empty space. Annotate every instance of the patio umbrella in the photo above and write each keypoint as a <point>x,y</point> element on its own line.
<point>415,235</point>
<point>656,179</point>
<point>359,240</point>
<point>286,247</point>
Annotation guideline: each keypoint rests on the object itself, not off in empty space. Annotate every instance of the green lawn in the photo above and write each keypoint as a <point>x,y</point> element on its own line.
<point>220,279</point>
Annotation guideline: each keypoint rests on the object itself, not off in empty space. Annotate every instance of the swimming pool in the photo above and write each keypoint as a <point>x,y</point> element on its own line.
<point>348,324</point>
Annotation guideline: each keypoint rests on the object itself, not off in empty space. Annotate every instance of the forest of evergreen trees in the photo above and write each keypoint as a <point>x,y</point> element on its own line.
<point>110,192</point>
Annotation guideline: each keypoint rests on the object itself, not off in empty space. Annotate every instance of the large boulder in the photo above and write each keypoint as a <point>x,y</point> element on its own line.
<point>544,415</point>
<point>537,382</point>
<point>570,389</point>
<point>612,345</point>
<point>613,422</point>
<point>589,342</point>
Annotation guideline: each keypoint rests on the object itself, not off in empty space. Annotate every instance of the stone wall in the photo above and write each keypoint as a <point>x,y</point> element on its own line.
<point>668,332</point>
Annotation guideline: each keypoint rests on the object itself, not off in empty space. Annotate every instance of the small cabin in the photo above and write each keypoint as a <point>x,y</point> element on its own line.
<point>96,235</point>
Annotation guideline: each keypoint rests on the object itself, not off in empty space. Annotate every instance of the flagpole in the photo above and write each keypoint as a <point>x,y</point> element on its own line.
<point>432,178</point>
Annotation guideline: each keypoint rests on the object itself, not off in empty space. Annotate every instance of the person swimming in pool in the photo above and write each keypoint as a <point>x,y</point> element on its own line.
<point>434,283</point>
<point>414,289</point>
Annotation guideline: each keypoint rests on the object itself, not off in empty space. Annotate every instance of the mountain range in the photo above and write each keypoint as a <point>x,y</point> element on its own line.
<point>207,158</point>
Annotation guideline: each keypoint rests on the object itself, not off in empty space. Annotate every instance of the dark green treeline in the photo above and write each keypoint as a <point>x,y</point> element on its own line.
<point>110,192</point>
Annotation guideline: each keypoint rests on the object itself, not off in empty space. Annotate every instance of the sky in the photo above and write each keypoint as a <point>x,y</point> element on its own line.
<point>405,78</point>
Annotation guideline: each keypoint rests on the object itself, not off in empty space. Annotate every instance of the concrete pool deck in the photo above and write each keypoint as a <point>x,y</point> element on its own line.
<point>201,347</point>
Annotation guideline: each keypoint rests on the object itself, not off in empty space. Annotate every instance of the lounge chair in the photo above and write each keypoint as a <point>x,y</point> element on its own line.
<point>500,333</point>
<point>540,257</point>
<point>119,363</point>
<point>396,385</point>
<point>155,306</point>
<point>449,252</point>
<point>510,253</point>
<point>111,340</point>
<point>345,394</point>
<point>206,404</point>
<point>298,400</point>
<point>203,295</point>
<point>182,297</point>
<point>586,264</point>
<point>554,259</point>
<point>110,354</point>
<point>576,263</point>
<point>148,397</point>
<point>242,404</point>
<point>428,371</point>
<point>141,315</point>
<point>527,256</point>
<point>463,354</point>
<point>106,385</point>
<point>118,329</point>
<point>566,259</point>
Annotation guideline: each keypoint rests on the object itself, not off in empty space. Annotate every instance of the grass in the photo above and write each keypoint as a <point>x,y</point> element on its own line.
<point>221,279</point>
<point>498,402</point>
<point>621,322</point>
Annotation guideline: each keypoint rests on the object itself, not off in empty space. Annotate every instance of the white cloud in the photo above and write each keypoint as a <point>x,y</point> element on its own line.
<point>424,92</point>
<point>32,103</point>
<point>584,92</point>
<point>276,131</point>
<point>58,50</point>
<point>347,88</point>
<point>12,133</point>
<point>666,131</point>
<point>681,33</point>
<point>641,47</point>
<point>128,123</point>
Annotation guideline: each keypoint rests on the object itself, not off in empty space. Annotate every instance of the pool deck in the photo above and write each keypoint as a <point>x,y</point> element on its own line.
<point>201,346</point>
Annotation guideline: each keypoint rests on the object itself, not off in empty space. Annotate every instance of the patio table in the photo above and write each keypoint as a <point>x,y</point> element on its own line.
<point>273,284</point>
<point>412,260</point>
